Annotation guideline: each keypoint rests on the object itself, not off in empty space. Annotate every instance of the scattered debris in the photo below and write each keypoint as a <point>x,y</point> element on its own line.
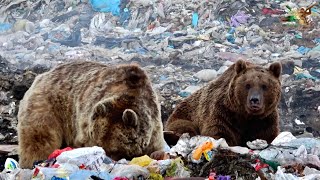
<point>182,45</point>
<point>199,156</point>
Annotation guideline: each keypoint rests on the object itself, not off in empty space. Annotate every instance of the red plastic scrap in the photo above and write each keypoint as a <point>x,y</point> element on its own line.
<point>120,178</point>
<point>271,11</point>
<point>259,165</point>
<point>57,152</point>
<point>82,166</point>
<point>212,176</point>
<point>35,173</point>
<point>55,166</point>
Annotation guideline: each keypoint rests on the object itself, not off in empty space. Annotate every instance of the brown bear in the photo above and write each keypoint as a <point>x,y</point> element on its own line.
<point>82,104</point>
<point>240,106</point>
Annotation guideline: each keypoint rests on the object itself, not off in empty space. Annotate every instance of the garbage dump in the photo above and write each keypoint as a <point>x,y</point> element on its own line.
<point>182,45</point>
<point>199,156</point>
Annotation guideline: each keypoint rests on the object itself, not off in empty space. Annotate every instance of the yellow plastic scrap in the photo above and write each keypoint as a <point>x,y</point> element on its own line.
<point>141,161</point>
<point>205,37</point>
<point>155,176</point>
<point>297,70</point>
<point>177,169</point>
<point>204,148</point>
<point>153,167</point>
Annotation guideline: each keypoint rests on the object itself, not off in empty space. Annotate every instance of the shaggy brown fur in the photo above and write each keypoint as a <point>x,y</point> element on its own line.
<point>241,105</point>
<point>84,104</point>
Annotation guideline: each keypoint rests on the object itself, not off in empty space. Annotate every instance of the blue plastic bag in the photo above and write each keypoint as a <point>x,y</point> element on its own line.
<point>303,50</point>
<point>112,6</point>
<point>86,174</point>
<point>5,27</point>
<point>305,76</point>
<point>125,16</point>
<point>195,18</point>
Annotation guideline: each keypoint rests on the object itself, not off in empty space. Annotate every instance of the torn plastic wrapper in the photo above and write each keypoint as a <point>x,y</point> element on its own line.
<point>186,146</point>
<point>89,157</point>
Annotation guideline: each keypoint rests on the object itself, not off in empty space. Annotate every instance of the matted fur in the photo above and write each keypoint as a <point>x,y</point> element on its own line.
<point>85,104</point>
<point>220,109</point>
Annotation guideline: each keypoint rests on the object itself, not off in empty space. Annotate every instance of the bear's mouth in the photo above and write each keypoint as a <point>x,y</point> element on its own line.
<point>255,109</point>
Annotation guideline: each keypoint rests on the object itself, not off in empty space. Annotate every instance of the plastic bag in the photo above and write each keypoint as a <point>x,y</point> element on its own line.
<point>5,27</point>
<point>283,137</point>
<point>257,144</point>
<point>160,166</point>
<point>177,169</point>
<point>86,174</point>
<point>89,157</point>
<point>129,171</point>
<point>10,165</point>
<point>57,152</point>
<point>202,149</point>
<point>45,173</point>
<point>141,161</point>
<point>112,6</point>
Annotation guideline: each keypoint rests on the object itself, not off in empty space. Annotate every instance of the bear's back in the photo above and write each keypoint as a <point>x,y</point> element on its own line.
<point>72,89</point>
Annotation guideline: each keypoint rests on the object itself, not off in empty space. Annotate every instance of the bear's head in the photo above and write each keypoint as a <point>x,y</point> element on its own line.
<point>256,90</point>
<point>128,123</point>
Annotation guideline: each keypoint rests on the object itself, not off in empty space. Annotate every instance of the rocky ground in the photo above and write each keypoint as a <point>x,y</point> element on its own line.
<point>181,44</point>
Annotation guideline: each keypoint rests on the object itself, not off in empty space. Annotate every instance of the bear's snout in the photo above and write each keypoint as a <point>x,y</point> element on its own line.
<point>255,101</point>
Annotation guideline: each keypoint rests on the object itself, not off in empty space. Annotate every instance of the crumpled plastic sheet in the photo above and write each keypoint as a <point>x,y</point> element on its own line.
<point>63,171</point>
<point>257,144</point>
<point>112,6</point>
<point>306,75</point>
<point>160,166</point>
<point>239,18</point>
<point>91,157</point>
<point>309,143</point>
<point>129,171</point>
<point>5,27</point>
<point>141,161</point>
<point>303,50</point>
<point>281,175</point>
<point>291,156</point>
<point>17,174</point>
<point>177,169</point>
<point>186,146</point>
<point>67,171</point>
<point>85,174</point>
<point>307,171</point>
<point>283,137</point>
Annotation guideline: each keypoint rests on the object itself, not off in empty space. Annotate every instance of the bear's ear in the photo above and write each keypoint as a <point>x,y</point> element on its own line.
<point>240,66</point>
<point>135,77</point>
<point>112,105</point>
<point>275,69</point>
<point>130,118</point>
<point>102,108</point>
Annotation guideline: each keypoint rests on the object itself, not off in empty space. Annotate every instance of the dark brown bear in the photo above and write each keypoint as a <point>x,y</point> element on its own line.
<point>240,106</point>
<point>85,104</point>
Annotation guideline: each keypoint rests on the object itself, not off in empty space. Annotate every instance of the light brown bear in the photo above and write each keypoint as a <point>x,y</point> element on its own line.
<point>240,106</point>
<point>85,104</point>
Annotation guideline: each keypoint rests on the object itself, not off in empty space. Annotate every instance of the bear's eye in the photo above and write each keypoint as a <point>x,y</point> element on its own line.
<point>264,87</point>
<point>248,86</point>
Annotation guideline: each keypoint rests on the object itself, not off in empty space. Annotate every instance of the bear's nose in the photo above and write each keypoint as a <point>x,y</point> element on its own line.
<point>255,100</point>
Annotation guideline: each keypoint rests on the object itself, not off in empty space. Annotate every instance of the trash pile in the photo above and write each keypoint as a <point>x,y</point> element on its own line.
<point>287,158</point>
<point>182,45</point>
